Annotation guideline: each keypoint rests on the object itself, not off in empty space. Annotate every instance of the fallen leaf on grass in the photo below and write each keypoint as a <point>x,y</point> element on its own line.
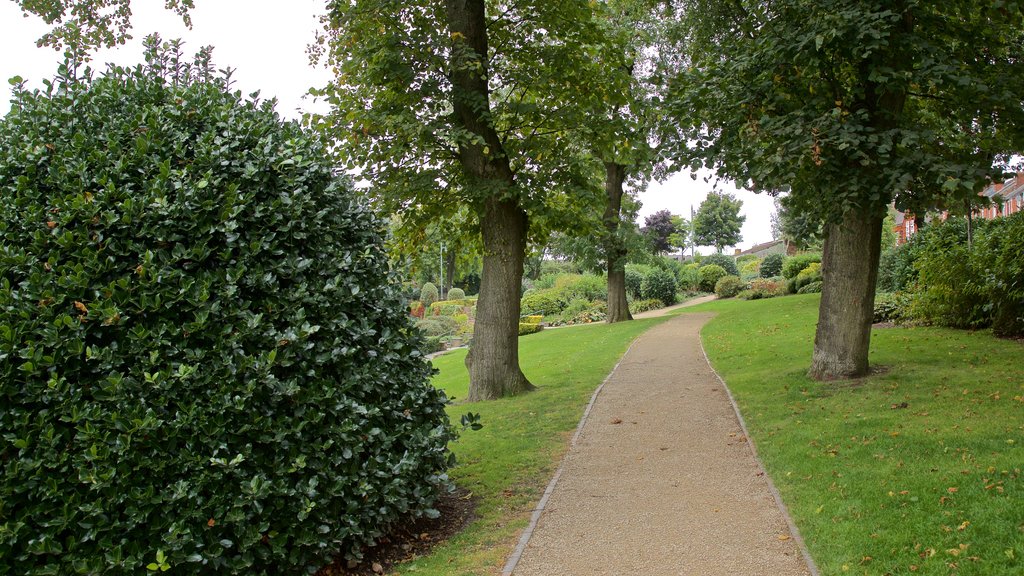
<point>784,537</point>
<point>616,421</point>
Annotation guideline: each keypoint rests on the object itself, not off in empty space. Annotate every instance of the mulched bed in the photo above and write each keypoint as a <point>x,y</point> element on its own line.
<point>412,539</point>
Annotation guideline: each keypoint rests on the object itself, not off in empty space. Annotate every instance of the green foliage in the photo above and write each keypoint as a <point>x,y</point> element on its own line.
<point>529,328</point>
<point>438,325</point>
<point>456,294</point>
<point>893,307</point>
<point>999,253</point>
<point>811,274</point>
<point>763,288</point>
<point>750,269</point>
<point>535,319</point>
<point>428,294</point>
<point>638,306</point>
<point>544,302</point>
<point>448,307</point>
<point>813,287</point>
<point>689,278</point>
<point>796,264</point>
<point>726,262</point>
<point>771,266</point>
<point>635,274</point>
<point>708,276</point>
<point>205,358</point>
<point>581,286</point>
<point>896,266</point>
<point>659,285</point>
<point>718,222</point>
<point>729,286</point>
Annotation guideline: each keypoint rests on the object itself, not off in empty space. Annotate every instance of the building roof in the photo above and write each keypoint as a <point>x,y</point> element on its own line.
<point>761,247</point>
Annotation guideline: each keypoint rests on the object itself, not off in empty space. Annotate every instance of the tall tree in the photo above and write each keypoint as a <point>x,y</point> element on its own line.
<point>680,236</point>
<point>470,103</point>
<point>658,227</point>
<point>851,104</point>
<point>718,221</point>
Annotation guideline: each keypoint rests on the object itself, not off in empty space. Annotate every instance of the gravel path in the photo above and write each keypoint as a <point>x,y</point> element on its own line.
<point>660,479</point>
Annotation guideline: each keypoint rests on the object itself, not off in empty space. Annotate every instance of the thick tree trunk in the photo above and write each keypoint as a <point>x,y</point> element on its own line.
<point>493,359</point>
<point>618,308</point>
<point>850,268</point>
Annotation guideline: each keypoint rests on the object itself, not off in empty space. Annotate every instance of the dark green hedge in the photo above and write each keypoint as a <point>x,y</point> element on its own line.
<point>202,354</point>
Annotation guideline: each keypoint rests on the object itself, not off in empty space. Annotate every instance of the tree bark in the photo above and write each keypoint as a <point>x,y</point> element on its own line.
<point>618,307</point>
<point>493,359</point>
<point>449,265</point>
<point>850,268</point>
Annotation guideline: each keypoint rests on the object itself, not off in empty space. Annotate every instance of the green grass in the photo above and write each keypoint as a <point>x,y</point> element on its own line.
<point>508,464</point>
<point>914,470</point>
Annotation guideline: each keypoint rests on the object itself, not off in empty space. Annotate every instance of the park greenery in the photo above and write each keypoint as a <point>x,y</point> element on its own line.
<point>213,344</point>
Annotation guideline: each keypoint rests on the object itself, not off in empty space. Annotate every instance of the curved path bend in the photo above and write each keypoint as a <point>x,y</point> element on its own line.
<point>661,479</point>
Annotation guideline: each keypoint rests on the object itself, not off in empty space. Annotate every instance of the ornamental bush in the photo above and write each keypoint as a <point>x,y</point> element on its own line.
<point>635,274</point>
<point>729,286</point>
<point>763,288</point>
<point>659,285</point>
<point>456,294</point>
<point>205,357</point>
<point>689,278</point>
<point>726,262</point>
<point>428,294</point>
<point>544,302</point>
<point>708,276</point>
<point>638,306</point>
<point>795,264</point>
<point>771,266</point>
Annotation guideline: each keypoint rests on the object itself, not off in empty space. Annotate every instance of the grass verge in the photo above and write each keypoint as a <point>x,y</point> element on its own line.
<point>508,464</point>
<point>913,470</point>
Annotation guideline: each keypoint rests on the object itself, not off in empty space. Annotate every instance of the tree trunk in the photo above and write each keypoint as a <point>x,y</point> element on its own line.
<point>493,359</point>
<point>618,307</point>
<point>449,266</point>
<point>850,268</point>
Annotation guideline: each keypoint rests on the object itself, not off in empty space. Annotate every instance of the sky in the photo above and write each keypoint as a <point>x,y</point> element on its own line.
<point>267,48</point>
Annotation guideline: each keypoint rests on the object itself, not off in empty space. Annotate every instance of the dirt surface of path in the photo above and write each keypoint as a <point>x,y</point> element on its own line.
<point>660,479</point>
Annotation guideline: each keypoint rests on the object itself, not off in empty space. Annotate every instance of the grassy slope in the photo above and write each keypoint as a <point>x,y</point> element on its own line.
<point>915,470</point>
<point>509,462</point>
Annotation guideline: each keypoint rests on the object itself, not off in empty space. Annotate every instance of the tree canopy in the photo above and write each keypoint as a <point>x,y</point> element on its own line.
<point>718,221</point>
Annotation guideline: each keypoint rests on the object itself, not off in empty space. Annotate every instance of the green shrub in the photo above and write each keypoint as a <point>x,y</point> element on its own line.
<point>659,285</point>
<point>438,325</point>
<point>726,262</point>
<point>447,308</point>
<point>810,288</point>
<point>893,307</point>
<point>428,294</point>
<point>532,319</point>
<point>812,273</point>
<point>639,306</point>
<point>746,259</point>
<point>581,311</point>
<point>456,294</point>
<point>771,266</point>
<point>571,287</point>
<point>1000,254</point>
<point>762,288</point>
<point>708,276</point>
<point>543,302</point>
<point>795,264</point>
<point>529,328</point>
<point>896,267</point>
<point>635,274</point>
<point>689,278</point>
<point>205,355</point>
<point>729,286</point>
<point>750,269</point>
<point>951,289</point>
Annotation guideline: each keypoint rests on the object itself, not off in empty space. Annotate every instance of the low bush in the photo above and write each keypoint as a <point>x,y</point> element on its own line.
<point>729,286</point>
<point>810,288</point>
<point>438,325</point>
<point>689,278</point>
<point>746,259</point>
<point>763,288</point>
<point>580,311</point>
<point>771,266</point>
<point>532,319</point>
<point>456,294</point>
<point>206,360</point>
<point>750,269</point>
<point>447,308</point>
<point>529,328</point>
<point>428,294</point>
<point>893,307</point>
<point>726,262</point>
<point>708,276</point>
<point>635,274</point>
<point>795,264</point>
<point>896,267</point>
<point>544,302</point>
<point>638,306</point>
<point>812,273</point>
<point>659,285</point>
<point>416,309</point>
<point>571,287</point>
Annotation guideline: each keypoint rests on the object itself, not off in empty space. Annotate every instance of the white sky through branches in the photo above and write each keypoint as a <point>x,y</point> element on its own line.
<point>266,45</point>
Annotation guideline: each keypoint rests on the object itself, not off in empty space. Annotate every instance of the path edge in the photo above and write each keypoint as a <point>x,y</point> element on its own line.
<point>524,540</point>
<point>794,532</point>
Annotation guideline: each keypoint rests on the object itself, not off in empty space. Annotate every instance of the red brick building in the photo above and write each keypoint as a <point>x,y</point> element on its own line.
<point>1006,198</point>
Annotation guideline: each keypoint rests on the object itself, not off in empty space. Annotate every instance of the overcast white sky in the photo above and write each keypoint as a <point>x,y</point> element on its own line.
<point>266,44</point>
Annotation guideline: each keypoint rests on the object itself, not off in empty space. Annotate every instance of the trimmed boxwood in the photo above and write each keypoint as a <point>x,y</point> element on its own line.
<point>204,356</point>
<point>726,262</point>
<point>659,285</point>
<point>771,266</point>
<point>729,286</point>
<point>708,277</point>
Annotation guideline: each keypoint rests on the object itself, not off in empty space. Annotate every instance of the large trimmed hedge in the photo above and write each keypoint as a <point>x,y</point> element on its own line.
<point>204,359</point>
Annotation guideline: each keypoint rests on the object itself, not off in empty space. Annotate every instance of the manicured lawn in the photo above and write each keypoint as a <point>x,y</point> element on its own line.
<point>914,470</point>
<point>508,463</point>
